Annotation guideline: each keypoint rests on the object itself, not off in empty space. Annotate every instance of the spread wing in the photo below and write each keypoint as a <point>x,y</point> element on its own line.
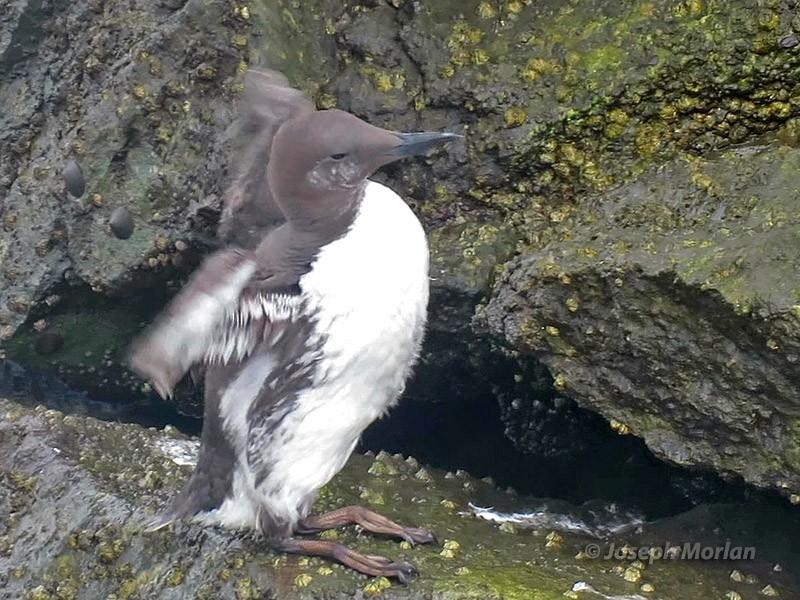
<point>223,311</point>
<point>228,308</point>
<point>218,317</point>
<point>226,313</point>
<point>249,210</point>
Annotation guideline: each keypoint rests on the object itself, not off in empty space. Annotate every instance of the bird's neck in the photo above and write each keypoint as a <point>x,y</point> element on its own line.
<point>328,216</point>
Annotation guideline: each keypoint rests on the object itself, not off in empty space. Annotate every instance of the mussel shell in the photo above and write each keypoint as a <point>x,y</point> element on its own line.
<point>73,178</point>
<point>121,223</point>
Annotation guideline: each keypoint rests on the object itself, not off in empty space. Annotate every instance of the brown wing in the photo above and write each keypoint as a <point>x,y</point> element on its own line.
<point>182,333</point>
<point>249,211</point>
<point>271,100</point>
<point>225,310</point>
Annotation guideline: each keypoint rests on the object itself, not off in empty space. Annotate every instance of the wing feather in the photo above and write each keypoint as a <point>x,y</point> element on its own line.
<point>218,317</point>
<point>249,210</point>
<point>255,319</point>
<point>295,364</point>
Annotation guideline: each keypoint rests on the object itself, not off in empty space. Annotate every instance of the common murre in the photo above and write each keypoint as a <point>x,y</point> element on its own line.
<point>304,335</point>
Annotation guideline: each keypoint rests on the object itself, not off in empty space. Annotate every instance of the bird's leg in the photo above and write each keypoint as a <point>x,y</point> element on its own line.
<point>368,520</point>
<point>368,564</point>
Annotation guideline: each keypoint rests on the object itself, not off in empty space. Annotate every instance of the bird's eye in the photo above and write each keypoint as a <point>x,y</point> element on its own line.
<point>338,156</point>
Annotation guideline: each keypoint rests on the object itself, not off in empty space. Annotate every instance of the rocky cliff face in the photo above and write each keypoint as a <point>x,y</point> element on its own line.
<point>672,309</point>
<point>138,97</point>
<point>653,270</point>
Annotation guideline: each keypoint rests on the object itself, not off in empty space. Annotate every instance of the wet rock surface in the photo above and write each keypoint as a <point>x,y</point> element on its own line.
<point>108,108</point>
<point>560,103</point>
<point>75,494</point>
<point>672,310</point>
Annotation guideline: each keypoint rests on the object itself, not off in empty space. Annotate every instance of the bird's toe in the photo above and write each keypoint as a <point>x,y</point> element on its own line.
<point>414,535</point>
<point>402,570</point>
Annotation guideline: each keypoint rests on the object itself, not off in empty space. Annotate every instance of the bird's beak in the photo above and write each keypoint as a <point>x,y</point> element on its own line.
<point>412,144</point>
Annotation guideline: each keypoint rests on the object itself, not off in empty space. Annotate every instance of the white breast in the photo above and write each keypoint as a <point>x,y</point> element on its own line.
<point>369,292</point>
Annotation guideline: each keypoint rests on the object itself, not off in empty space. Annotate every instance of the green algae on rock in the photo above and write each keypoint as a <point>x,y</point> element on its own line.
<point>554,112</point>
<point>685,328</point>
<point>127,107</point>
<point>76,529</point>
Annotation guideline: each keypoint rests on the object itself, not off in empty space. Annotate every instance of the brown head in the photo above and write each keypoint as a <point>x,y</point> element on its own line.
<point>320,162</point>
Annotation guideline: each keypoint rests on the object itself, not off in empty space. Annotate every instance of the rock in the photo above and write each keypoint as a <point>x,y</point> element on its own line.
<point>76,494</point>
<point>670,306</point>
<point>142,128</point>
<point>49,342</point>
<point>552,109</point>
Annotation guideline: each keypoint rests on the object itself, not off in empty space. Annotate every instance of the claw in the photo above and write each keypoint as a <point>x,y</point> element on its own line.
<point>404,571</point>
<point>419,536</point>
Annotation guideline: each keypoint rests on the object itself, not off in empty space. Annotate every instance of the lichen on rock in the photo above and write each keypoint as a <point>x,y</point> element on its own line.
<point>76,495</point>
<point>685,327</point>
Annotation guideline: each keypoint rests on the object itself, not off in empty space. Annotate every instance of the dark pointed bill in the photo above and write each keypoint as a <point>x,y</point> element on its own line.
<point>412,144</point>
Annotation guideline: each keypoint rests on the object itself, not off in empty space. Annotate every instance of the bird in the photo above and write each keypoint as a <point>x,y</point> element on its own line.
<point>304,326</point>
